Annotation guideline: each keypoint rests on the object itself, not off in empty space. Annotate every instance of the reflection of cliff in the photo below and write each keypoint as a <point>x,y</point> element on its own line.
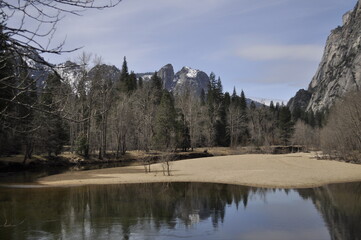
<point>89,212</point>
<point>339,206</point>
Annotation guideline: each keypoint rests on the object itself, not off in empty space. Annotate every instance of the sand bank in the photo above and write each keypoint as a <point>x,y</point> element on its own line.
<point>299,170</point>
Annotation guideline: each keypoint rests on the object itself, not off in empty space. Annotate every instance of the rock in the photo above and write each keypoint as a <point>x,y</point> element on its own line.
<point>106,72</point>
<point>340,69</point>
<point>192,79</point>
<point>166,73</point>
<point>300,100</point>
<point>69,72</point>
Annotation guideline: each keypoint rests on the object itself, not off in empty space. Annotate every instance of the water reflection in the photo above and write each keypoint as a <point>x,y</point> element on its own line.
<point>180,210</point>
<point>340,207</point>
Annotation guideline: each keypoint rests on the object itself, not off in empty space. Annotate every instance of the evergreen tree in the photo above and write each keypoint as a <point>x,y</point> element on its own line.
<point>272,106</point>
<point>165,123</point>
<point>285,125</point>
<point>244,119</point>
<point>124,73</point>
<point>183,135</point>
<point>156,86</point>
<point>123,84</point>
<point>156,82</point>
<point>243,102</point>
<point>131,82</point>
<point>217,111</point>
<point>227,100</point>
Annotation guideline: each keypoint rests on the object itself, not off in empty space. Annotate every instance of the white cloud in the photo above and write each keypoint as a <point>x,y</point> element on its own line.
<point>280,52</point>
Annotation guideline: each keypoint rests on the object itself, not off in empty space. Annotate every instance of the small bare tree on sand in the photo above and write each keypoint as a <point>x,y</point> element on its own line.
<point>147,161</point>
<point>166,161</point>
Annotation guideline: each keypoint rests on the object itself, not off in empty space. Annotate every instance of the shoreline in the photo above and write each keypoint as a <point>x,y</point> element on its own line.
<point>296,170</point>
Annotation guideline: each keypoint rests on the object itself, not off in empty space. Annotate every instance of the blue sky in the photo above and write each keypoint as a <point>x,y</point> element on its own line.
<point>268,48</point>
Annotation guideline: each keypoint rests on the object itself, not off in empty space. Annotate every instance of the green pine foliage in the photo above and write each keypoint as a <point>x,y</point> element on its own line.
<point>165,123</point>
<point>285,125</point>
<point>217,111</point>
<point>183,137</point>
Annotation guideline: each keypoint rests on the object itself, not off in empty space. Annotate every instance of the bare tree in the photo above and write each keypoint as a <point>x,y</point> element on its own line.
<point>190,106</point>
<point>122,121</point>
<point>144,116</point>
<point>306,136</point>
<point>261,126</point>
<point>341,137</point>
<point>166,161</point>
<point>24,25</point>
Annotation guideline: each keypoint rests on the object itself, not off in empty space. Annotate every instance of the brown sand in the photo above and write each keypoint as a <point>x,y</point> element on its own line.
<point>299,170</point>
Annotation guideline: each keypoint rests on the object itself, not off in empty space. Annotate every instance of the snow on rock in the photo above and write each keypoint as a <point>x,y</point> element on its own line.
<point>192,73</point>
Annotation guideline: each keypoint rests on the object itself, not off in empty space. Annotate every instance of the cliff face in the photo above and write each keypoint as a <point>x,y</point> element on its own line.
<point>340,69</point>
<point>166,73</point>
<point>299,101</point>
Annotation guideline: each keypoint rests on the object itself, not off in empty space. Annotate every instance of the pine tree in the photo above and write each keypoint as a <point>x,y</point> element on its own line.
<point>156,86</point>
<point>244,136</point>
<point>131,82</point>
<point>124,73</point>
<point>183,135</point>
<point>123,83</point>
<point>243,102</point>
<point>285,124</point>
<point>156,82</point>
<point>165,123</point>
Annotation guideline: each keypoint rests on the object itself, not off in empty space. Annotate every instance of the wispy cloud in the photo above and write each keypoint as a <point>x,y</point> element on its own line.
<point>280,52</point>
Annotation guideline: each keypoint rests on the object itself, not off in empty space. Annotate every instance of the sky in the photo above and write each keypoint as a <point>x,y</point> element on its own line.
<point>268,48</point>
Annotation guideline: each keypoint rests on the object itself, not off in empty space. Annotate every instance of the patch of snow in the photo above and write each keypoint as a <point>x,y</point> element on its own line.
<point>192,73</point>
<point>147,77</point>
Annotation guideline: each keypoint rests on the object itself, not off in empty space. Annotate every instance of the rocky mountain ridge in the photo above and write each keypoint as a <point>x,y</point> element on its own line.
<point>340,69</point>
<point>187,77</point>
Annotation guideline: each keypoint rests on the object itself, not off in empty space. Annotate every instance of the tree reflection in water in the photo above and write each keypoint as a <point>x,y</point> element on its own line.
<point>157,209</point>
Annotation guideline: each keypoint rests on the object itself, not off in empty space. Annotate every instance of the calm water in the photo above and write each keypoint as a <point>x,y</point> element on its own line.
<point>180,211</point>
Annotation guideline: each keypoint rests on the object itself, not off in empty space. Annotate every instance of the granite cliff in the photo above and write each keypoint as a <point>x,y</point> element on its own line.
<point>340,69</point>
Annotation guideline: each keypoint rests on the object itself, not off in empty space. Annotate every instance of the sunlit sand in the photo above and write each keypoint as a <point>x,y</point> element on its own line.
<point>298,170</point>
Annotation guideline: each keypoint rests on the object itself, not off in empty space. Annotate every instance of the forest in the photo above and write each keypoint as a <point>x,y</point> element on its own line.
<point>98,116</point>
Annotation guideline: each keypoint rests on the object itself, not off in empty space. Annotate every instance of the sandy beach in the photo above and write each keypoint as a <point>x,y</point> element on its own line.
<point>298,170</point>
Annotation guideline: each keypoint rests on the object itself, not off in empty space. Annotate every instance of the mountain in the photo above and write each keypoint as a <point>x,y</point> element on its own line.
<point>187,77</point>
<point>69,72</point>
<point>192,79</point>
<point>37,69</point>
<point>107,72</point>
<point>340,69</point>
